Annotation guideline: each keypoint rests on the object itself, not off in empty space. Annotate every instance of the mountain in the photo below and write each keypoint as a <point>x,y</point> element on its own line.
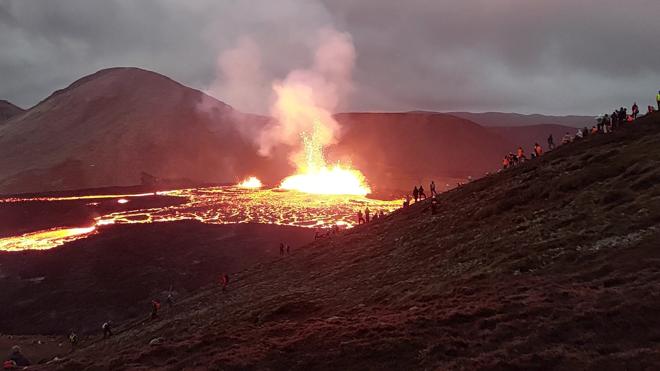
<point>8,110</point>
<point>108,128</point>
<point>516,119</point>
<point>549,265</point>
<point>526,136</point>
<point>120,126</point>
<point>403,149</point>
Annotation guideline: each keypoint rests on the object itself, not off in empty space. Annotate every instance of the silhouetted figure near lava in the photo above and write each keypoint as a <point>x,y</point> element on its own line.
<point>416,194</point>
<point>505,162</point>
<point>360,217</point>
<point>107,329</point>
<point>288,249</point>
<point>155,307</point>
<point>521,155</point>
<point>635,111</point>
<point>406,202</point>
<point>224,280</point>
<point>382,214</point>
<point>17,357</point>
<point>282,244</point>
<point>366,215</point>
<point>421,193</point>
<point>432,187</point>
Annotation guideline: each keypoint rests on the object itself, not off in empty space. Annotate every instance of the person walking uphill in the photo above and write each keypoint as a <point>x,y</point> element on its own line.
<point>16,359</point>
<point>432,186</point>
<point>155,307</point>
<point>107,329</point>
<point>416,194</point>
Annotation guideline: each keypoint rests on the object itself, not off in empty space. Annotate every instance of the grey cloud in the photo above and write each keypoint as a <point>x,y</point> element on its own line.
<point>545,56</point>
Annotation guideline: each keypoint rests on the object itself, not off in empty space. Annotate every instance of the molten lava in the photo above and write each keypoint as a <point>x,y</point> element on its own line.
<point>251,182</point>
<point>315,176</point>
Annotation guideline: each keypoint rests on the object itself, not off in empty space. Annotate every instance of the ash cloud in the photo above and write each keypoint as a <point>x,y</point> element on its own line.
<point>555,57</point>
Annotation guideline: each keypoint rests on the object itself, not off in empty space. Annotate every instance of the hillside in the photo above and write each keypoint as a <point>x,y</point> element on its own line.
<point>403,149</point>
<point>526,136</point>
<point>551,265</point>
<point>8,110</point>
<point>107,128</point>
<point>127,266</point>
<point>516,119</point>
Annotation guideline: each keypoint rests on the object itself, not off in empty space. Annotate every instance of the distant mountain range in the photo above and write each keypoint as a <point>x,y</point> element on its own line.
<point>516,119</point>
<point>116,125</point>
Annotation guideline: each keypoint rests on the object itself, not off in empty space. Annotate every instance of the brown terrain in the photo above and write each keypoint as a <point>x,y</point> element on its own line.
<point>550,265</point>
<point>8,110</point>
<point>115,274</point>
<point>112,127</point>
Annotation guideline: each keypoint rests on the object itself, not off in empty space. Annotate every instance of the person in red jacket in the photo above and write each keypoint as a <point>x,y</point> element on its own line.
<point>155,307</point>
<point>224,281</point>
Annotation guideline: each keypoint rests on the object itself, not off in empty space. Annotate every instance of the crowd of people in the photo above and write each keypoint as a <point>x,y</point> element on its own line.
<point>605,124</point>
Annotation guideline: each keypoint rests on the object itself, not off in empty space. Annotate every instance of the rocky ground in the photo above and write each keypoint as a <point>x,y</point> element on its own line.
<point>114,275</point>
<point>552,265</point>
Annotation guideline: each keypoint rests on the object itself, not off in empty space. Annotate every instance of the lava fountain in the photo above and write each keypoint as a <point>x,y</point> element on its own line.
<point>250,183</point>
<point>315,176</point>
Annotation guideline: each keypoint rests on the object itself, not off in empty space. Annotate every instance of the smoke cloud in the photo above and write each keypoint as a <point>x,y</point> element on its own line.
<point>306,99</point>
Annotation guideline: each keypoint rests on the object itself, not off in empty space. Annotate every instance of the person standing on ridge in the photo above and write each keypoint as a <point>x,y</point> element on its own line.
<point>635,111</point>
<point>657,99</point>
<point>551,143</point>
<point>224,281</point>
<point>538,151</point>
<point>432,186</point>
<point>360,218</point>
<point>416,194</point>
<point>155,307</point>
<point>421,193</point>
<point>107,329</point>
<point>366,214</point>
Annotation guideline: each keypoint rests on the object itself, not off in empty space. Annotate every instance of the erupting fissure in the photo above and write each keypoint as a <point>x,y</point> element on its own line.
<point>316,176</point>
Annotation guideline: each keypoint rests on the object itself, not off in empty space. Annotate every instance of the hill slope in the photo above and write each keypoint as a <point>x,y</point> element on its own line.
<point>109,127</point>
<point>402,149</point>
<point>526,136</point>
<point>8,110</point>
<point>551,265</point>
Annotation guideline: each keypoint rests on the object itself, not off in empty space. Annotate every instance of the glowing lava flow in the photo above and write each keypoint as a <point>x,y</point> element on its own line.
<point>251,182</point>
<point>315,176</point>
<point>43,240</point>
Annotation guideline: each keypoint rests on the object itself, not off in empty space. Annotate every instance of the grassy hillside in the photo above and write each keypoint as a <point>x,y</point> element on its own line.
<point>551,265</point>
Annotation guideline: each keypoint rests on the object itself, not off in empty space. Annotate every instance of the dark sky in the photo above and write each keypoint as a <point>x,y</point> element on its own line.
<point>544,56</point>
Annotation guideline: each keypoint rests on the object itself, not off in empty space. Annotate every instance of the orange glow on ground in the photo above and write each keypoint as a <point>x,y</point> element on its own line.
<point>43,240</point>
<point>220,205</point>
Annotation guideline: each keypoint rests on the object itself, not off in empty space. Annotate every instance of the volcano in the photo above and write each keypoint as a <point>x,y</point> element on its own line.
<point>114,126</point>
<point>127,126</point>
